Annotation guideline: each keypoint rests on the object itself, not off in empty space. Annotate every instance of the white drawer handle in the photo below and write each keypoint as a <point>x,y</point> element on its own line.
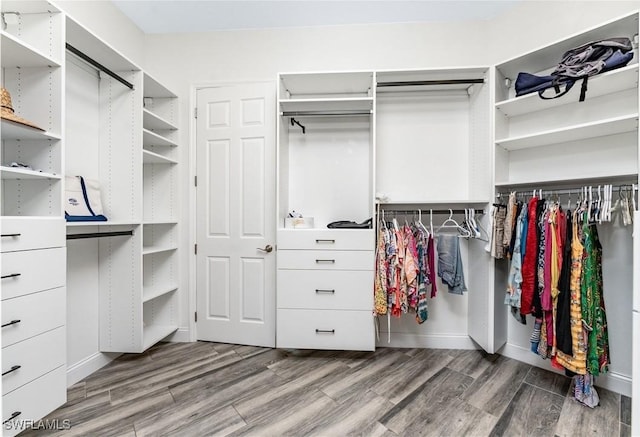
<point>12,275</point>
<point>325,331</point>
<point>330,261</point>
<point>320,290</point>
<point>9,235</point>
<point>13,369</point>
<point>13,322</point>
<point>326,241</point>
<point>13,416</point>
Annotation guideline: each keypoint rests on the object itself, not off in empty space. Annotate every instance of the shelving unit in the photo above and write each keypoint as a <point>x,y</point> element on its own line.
<point>160,210</point>
<point>339,151</point>
<point>137,171</point>
<point>31,51</point>
<point>565,144</point>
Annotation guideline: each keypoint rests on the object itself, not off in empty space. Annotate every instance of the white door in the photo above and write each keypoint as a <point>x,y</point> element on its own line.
<point>236,177</point>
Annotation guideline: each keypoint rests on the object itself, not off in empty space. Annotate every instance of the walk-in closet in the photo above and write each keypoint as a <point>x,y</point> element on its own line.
<point>415,223</point>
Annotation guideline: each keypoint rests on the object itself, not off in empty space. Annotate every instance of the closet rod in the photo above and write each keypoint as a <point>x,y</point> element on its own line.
<point>324,114</point>
<point>98,235</point>
<point>432,211</point>
<point>631,187</point>
<point>98,65</point>
<point>431,82</point>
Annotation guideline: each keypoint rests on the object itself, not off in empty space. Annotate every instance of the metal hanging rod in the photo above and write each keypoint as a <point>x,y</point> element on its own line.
<point>98,235</point>
<point>430,82</point>
<point>631,187</point>
<point>430,211</point>
<point>98,65</point>
<point>324,114</point>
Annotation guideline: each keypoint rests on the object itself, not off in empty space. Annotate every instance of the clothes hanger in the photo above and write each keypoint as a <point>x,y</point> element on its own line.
<point>450,223</point>
<point>420,224</point>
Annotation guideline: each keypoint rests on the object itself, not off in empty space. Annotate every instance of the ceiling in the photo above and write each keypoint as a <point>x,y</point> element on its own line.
<point>179,16</point>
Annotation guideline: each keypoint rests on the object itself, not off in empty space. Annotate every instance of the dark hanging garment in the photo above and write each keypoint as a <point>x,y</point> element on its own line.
<point>540,236</point>
<point>563,311</point>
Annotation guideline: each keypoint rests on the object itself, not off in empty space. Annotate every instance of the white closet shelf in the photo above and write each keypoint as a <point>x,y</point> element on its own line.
<point>150,138</point>
<point>155,122</point>
<point>355,83</point>
<point>337,104</point>
<point>595,129</point>
<point>154,333</point>
<point>16,53</point>
<point>433,203</point>
<point>16,131</point>
<point>549,55</point>
<point>168,221</point>
<point>570,182</point>
<point>613,81</point>
<point>153,88</point>
<point>155,249</point>
<point>155,158</point>
<point>18,173</point>
<point>150,293</point>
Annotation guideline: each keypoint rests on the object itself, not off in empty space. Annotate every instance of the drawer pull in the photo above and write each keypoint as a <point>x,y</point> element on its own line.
<point>12,275</point>
<point>319,290</point>
<point>13,369</point>
<point>13,416</point>
<point>330,261</point>
<point>13,322</point>
<point>325,331</point>
<point>326,241</point>
<point>9,235</point>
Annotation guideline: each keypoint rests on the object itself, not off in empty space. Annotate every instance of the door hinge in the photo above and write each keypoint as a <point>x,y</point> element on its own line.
<point>195,316</point>
<point>195,249</point>
<point>195,181</point>
<point>195,112</point>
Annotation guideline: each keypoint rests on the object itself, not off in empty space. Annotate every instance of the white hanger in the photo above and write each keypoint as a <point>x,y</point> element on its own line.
<point>431,222</point>
<point>450,223</point>
<point>420,224</point>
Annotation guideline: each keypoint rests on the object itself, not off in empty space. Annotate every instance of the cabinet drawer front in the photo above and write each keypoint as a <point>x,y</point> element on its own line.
<point>325,329</point>
<point>325,260</point>
<point>32,233</point>
<point>29,359</point>
<point>332,289</point>
<point>326,239</point>
<point>33,270</point>
<point>34,400</point>
<point>33,314</point>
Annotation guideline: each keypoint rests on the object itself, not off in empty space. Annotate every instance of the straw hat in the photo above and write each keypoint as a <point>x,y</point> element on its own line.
<point>7,110</point>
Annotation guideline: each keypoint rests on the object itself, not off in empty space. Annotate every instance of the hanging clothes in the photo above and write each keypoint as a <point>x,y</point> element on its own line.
<point>450,268</point>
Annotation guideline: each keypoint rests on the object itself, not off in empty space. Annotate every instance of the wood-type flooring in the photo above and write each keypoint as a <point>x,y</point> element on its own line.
<point>202,389</point>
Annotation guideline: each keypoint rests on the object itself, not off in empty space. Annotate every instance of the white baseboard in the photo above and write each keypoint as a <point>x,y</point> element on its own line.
<point>85,367</point>
<point>613,381</point>
<point>182,335</point>
<point>429,341</point>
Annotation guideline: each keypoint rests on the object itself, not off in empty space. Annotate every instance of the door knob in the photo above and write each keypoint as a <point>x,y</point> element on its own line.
<point>268,248</point>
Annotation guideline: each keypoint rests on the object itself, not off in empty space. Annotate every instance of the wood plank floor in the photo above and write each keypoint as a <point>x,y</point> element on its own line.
<point>196,389</point>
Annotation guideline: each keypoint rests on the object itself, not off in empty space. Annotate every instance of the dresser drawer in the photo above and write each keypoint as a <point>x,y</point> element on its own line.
<point>34,400</point>
<point>32,233</point>
<point>326,239</point>
<point>325,329</point>
<point>37,313</point>
<point>325,260</point>
<point>32,358</point>
<point>33,270</point>
<point>319,289</point>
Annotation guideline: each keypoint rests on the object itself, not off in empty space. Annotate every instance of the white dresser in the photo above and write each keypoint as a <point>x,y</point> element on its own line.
<point>34,379</point>
<point>325,283</point>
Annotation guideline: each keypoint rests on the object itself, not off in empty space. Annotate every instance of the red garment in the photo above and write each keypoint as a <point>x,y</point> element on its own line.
<point>432,266</point>
<point>530,261</point>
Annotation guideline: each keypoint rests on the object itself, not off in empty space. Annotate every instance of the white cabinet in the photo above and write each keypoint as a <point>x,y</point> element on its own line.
<point>325,171</point>
<point>31,185</point>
